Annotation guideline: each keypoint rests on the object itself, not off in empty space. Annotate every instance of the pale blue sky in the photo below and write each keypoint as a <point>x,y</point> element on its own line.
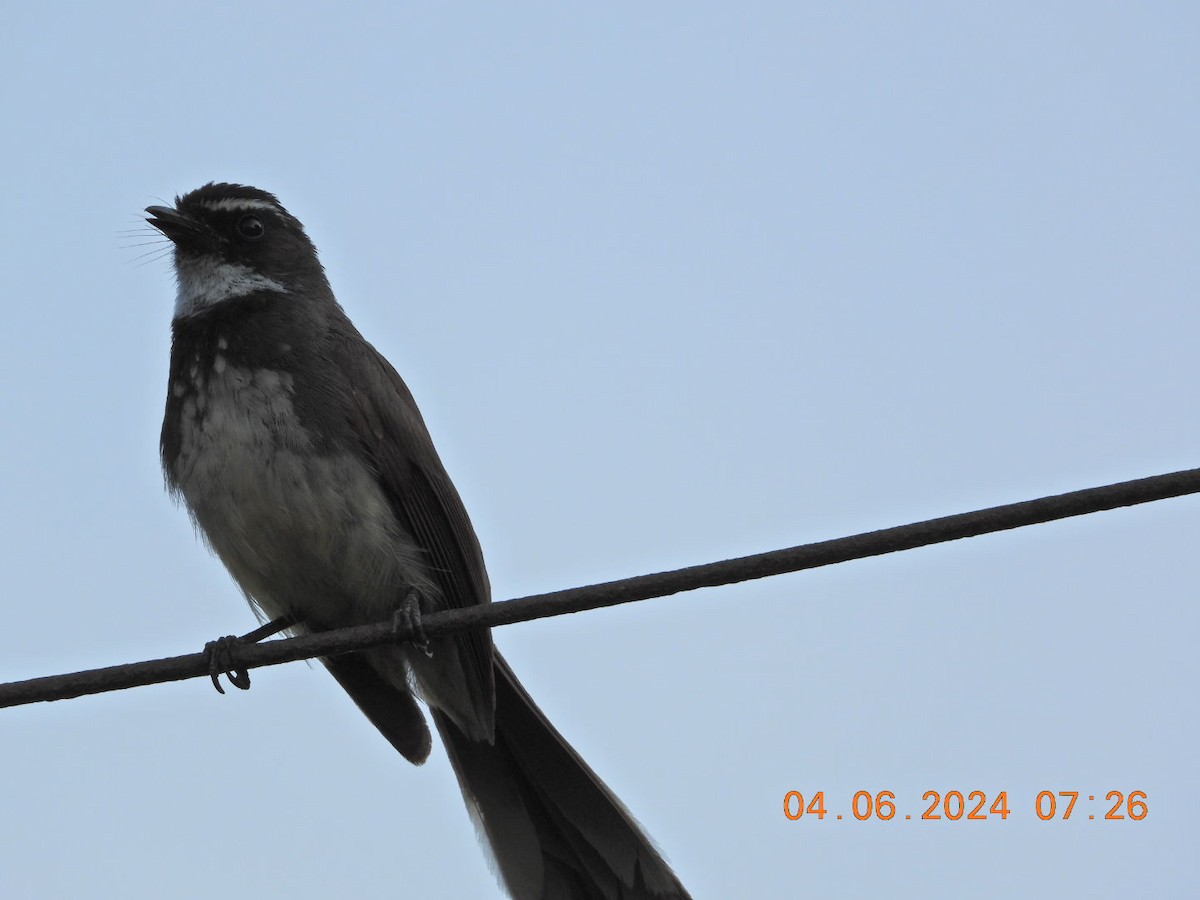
<point>671,282</point>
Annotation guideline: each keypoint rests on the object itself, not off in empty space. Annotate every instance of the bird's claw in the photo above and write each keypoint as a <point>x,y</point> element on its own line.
<point>222,660</point>
<point>408,619</point>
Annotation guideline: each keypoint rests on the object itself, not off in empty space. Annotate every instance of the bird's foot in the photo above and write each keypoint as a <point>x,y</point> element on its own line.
<point>222,660</point>
<point>407,619</point>
<point>222,653</point>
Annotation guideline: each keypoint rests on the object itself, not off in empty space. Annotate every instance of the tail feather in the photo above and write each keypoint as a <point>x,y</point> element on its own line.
<point>556,830</point>
<point>394,712</point>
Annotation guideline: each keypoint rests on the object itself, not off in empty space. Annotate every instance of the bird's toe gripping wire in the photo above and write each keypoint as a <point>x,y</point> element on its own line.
<point>222,660</point>
<point>222,653</point>
<point>407,620</point>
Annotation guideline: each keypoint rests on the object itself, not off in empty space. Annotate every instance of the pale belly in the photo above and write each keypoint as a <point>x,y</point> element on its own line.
<point>303,534</point>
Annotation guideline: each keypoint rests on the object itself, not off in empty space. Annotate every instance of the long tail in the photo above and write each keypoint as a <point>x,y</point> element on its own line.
<point>556,831</point>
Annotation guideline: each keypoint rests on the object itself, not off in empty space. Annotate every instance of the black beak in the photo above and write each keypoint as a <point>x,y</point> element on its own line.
<point>183,230</point>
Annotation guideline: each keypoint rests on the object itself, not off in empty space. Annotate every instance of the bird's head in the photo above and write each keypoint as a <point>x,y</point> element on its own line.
<point>233,241</point>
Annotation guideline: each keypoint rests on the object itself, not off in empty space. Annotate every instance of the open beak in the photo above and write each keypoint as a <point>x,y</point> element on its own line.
<point>183,230</point>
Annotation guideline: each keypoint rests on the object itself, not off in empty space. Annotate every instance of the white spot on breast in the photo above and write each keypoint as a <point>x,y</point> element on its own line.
<point>219,364</point>
<point>178,388</point>
<point>222,344</point>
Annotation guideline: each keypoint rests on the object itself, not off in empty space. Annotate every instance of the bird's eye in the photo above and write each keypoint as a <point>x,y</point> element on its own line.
<point>250,227</point>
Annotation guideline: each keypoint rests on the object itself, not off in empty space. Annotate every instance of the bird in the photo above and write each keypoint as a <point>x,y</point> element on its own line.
<point>307,468</point>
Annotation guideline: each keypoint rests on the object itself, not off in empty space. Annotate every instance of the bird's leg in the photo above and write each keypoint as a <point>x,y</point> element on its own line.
<point>222,653</point>
<point>407,619</point>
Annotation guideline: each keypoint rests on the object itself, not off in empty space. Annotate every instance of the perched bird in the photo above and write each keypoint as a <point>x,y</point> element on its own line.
<point>305,463</point>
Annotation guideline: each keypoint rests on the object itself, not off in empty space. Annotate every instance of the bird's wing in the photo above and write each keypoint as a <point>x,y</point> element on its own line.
<point>386,421</point>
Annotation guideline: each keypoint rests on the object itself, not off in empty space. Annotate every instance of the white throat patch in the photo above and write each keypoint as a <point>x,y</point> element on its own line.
<point>205,281</point>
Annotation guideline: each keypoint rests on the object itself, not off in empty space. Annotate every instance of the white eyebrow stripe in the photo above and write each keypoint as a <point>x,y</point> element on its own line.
<point>232,203</point>
<point>204,283</point>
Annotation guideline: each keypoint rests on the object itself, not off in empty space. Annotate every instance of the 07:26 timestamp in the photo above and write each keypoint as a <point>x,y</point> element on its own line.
<point>973,807</point>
